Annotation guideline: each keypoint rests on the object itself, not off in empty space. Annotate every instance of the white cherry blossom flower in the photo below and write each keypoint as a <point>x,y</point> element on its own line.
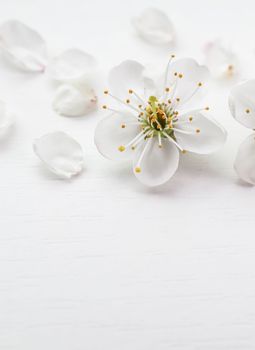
<point>151,123</point>
<point>242,107</point>
<point>154,26</point>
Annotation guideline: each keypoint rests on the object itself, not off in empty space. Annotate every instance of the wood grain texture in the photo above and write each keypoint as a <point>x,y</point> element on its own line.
<point>100,262</point>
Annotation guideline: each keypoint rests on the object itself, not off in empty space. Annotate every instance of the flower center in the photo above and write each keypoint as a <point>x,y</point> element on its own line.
<point>159,117</point>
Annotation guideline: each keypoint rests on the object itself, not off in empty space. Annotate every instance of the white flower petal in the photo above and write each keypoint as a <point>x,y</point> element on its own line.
<point>23,46</point>
<point>184,79</point>
<point>114,131</point>
<point>72,66</point>
<point>72,101</point>
<point>158,165</point>
<point>154,26</point>
<point>242,103</point>
<point>201,135</point>
<point>221,61</point>
<point>6,118</point>
<point>60,153</point>
<point>245,160</point>
<point>130,75</point>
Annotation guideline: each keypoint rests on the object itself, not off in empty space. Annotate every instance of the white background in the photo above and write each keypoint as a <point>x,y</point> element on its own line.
<point>101,262</point>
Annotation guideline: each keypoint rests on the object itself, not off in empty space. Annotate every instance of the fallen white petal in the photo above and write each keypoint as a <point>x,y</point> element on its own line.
<point>245,160</point>
<point>154,26</point>
<point>23,46</point>
<point>72,66</point>
<point>6,118</point>
<point>221,61</point>
<point>72,101</point>
<point>60,153</point>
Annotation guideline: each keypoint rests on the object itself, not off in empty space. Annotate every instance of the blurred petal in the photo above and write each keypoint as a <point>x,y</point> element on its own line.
<point>221,61</point>
<point>6,118</point>
<point>242,103</point>
<point>115,131</point>
<point>245,160</point>
<point>130,75</point>
<point>61,154</point>
<point>71,101</point>
<point>157,165</point>
<point>154,26</point>
<point>200,135</point>
<point>72,66</point>
<point>23,46</point>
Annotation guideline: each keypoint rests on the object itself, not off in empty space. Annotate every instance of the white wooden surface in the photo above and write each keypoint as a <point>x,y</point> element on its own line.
<point>101,262</point>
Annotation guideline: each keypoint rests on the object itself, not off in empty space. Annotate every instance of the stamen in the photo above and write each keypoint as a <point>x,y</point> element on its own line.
<point>134,142</point>
<point>122,102</point>
<point>130,91</point>
<point>186,132</point>
<point>121,148</point>
<point>141,156</point>
<point>173,141</point>
<point>159,140</point>
<point>167,69</point>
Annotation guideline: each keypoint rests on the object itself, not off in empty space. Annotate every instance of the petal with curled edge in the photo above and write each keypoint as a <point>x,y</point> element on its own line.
<point>61,154</point>
<point>245,160</point>
<point>197,133</point>
<point>72,101</point>
<point>114,132</point>
<point>154,26</point>
<point>22,46</point>
<point>242,103</point>
<point>72,66</point>
<point>152,165</point>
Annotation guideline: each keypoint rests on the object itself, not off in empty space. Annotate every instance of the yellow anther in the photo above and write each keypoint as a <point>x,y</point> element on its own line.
<point>127,101</point>
<point>106,92</point>
<point>176,74</point>
<point>180,76</point>
<point>197,131</point>
<point>200,84</point>
<point>172,56</point>
<point>121,148</point>
<point>169,101</point>
<point>104,107</point>
<point>123,126</point>
<point>138,169</point>
<point>133,148</point>
<point>184,151</point>
<point>130,91</point>
<point>167,89</point>
<point>178,99</point>
<point>207,108</point>
<point>230,68</point>
<point>247,111</point>
<point>140,106</point>
<point>190,119</point>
